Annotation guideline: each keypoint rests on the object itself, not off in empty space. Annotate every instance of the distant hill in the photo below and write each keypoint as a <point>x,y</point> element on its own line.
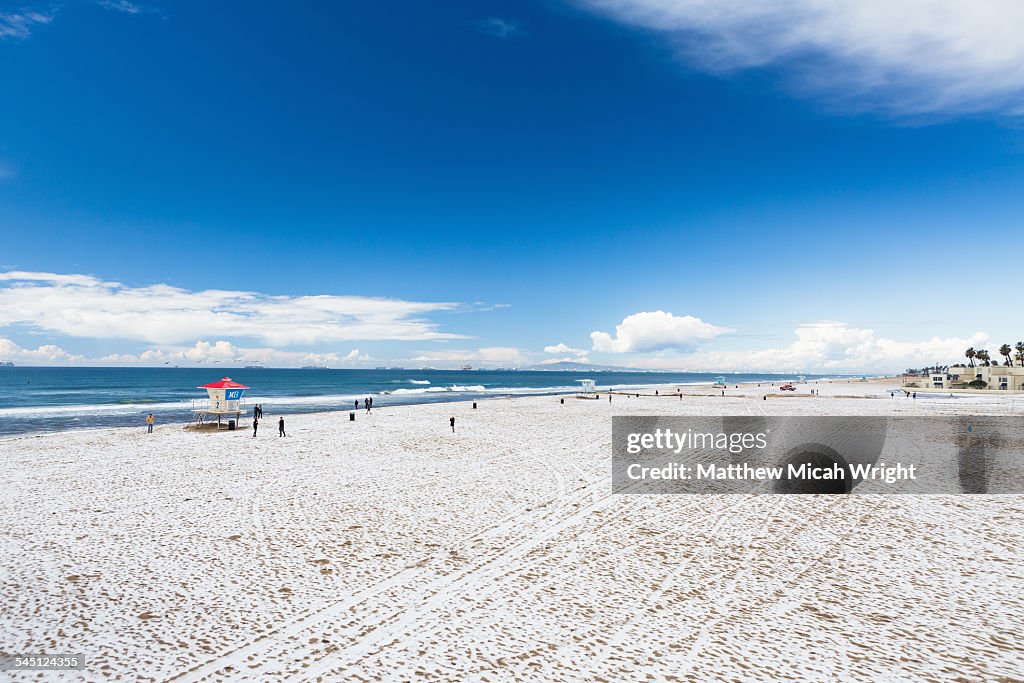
<point>581,367</point>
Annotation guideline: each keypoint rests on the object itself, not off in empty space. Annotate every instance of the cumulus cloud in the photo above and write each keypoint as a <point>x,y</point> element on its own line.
<point>21,23</point>
<point>354,355</point>
<point>902,56</point>
<point>47,354</point>
<point>829,346</point>
<point>84,306</point>
<point>563,348</point>
<point>655,331</point>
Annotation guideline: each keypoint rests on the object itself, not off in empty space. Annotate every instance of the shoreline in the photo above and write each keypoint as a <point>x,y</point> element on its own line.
<point>617,389</point>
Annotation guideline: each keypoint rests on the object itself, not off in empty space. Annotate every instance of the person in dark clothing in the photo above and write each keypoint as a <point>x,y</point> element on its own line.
<point>255,426</point>
<point>357,404</point>
<point>280,427</point>
<point>451,420</point>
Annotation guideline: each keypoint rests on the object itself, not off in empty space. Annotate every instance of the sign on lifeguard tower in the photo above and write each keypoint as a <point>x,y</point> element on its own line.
<point>225,398</point>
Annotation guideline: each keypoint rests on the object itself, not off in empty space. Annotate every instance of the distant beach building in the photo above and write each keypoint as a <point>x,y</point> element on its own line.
<point>224,400</point>
<point>963,377</point>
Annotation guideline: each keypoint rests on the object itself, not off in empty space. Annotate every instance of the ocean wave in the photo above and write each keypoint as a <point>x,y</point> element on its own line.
<point>437,390</point>
<point>419,381</point>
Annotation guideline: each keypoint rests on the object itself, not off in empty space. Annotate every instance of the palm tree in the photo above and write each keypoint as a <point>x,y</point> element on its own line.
<point>971,355</point>
<point>1005,352</point>
<point>982,355</point>
<point>1020,352</point>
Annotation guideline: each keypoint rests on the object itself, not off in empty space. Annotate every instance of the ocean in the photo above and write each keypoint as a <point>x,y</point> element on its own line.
<point>36,399</point>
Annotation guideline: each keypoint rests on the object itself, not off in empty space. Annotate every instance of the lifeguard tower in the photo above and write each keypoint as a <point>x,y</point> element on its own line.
<point>224,400</point>
<point>587,389</point>
<point>719,382</point>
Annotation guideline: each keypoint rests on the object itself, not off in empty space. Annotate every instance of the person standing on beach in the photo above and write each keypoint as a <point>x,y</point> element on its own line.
<point>451,421</point>
<point>357,404</point>
<point>280,427</point>
<point>149,423</point>
<point>255,426</point>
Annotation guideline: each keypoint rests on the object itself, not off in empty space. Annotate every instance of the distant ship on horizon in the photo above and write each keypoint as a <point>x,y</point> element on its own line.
<point>466,367</point>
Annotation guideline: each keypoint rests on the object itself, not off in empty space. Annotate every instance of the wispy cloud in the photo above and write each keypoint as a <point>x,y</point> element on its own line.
<point>21,23</point>
<point>902,57</point>
<point>488,354</point>
<point>127,7</point>
<point>78,305</point>
<point>497,27</point>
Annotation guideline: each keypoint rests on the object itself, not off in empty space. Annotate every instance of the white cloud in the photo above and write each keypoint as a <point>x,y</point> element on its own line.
<point>48,354</point>
<point>488,354</point>
<point>354,355</point>
<point>85,306</point>
<point>828,346</point>
<point>902,56</point>
<point>21,23</point>
<point>654,331</point>
<point>121,6</point>
<point>202,353</point>
<point>563,348</point>
<point>499,28</point>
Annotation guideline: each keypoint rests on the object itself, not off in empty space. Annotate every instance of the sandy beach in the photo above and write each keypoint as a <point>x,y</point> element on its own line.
<point>390,548</point>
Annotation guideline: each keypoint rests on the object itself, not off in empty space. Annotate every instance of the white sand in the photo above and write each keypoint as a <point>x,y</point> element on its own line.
<point>391,549</point>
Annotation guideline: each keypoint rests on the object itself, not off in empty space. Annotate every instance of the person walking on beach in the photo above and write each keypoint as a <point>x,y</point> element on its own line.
<point>255,426</point>
<point>280,427</point>
<point>357,404</point>
<point>149,423</point>
<point>451,421</point>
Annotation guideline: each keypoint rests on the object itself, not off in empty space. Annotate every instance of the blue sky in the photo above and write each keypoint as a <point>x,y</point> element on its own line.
<point>511,176</point>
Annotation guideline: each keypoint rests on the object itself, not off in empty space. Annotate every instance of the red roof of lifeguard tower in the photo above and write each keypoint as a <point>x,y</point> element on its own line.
<point>224,383</point>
